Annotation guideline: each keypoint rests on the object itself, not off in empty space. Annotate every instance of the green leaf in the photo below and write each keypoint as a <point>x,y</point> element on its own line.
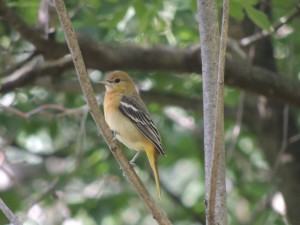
<point>236,11</point>
<point>258,17</point>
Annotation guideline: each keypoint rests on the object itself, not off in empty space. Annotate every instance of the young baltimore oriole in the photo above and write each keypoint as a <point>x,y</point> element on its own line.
<point>128,118</point>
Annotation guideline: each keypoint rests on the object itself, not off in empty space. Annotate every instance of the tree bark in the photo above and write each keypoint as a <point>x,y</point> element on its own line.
<point>216,211</point>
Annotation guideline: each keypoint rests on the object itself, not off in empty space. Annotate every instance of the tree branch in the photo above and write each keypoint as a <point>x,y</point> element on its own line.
<point>62,111</point>
<point>19,65</point>
<point>217,170</point>
<point>238,72</point>
<point>214,158</point>
<point>246,41</point>
<point>27,75</point>
<point>98,117</point>
<point>9,214</point>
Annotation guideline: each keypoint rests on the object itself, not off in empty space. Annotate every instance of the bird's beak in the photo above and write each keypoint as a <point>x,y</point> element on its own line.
<point>107,84</point>
<point>104,83</point>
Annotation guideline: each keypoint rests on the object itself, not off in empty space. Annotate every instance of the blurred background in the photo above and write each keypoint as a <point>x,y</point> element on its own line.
<point>55,167</point>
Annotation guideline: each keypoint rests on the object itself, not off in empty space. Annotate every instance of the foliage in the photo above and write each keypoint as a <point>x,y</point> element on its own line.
<point>88,185</point>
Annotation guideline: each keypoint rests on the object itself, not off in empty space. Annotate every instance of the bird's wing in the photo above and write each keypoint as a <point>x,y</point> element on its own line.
<point>137,113</point>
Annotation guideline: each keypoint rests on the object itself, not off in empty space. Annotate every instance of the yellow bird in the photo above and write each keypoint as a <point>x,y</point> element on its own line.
<point>128,118</point>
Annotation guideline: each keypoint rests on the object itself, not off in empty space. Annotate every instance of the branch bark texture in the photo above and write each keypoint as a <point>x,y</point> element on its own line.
<point>213,125</point>
<point>217,170</point>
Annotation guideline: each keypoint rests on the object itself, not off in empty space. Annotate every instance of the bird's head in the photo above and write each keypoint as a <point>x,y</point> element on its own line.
<point>119,81</point>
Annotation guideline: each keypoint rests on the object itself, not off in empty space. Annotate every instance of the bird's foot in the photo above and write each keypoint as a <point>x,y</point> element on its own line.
<point>123,172</point>
<point>132,162</point>
<point>114,134</point>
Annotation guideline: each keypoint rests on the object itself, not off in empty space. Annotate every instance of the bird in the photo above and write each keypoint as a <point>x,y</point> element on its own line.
<point>130,121</point>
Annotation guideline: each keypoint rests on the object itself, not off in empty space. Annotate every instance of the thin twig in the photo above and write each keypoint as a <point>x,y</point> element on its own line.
<point>284,142</point>
<point>193,214</point>
<point>81,138</point>
<point>260,206</point>
<point>218,144</point>
<point>237,127</point>
<point>9,214</point>
<point>50,187</point>
<point>264,33</point>
<point>18,65</point>
<point>41,110</point>
<point>266,199</point>
<point>98,116</point>
<point>294,138</point>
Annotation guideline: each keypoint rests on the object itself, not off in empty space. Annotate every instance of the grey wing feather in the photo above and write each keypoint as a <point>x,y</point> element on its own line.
<point>139,115</point>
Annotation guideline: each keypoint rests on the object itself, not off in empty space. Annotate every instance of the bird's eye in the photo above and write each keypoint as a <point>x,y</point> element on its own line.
<point>117,80</point>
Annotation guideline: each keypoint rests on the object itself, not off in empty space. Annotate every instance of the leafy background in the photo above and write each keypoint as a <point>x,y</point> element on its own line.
<point>56,168</point>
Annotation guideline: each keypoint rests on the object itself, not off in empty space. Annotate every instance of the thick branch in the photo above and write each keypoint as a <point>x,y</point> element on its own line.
<point>238,73</point>
<point>255,79</point>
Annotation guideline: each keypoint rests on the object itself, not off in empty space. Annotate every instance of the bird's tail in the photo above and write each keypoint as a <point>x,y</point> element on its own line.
<point>152,155</point>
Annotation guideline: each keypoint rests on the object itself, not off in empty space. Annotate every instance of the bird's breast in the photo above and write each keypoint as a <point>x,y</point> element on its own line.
<point>125,131</point>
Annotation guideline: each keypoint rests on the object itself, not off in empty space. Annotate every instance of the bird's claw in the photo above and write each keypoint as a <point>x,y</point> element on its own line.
<point>114,134</point>
<point>124,175</point>
<point>132,163</point>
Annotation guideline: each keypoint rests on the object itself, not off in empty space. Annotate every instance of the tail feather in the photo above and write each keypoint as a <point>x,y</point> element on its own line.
<point>152,155</point>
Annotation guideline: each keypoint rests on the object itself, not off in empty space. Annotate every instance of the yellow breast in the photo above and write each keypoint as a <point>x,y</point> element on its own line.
<point>126,132</point>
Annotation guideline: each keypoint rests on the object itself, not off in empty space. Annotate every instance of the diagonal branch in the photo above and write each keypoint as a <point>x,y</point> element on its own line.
<point>9,214</point>
<point>27,75</point>
<point>246,41</point>
<point>98,117</point>
<point>19,65</point>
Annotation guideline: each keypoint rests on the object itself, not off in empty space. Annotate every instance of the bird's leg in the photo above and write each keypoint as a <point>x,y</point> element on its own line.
<point>114,134</point>
<point>132,161</point>
<point>134,158</point>
<point>124,175</point>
